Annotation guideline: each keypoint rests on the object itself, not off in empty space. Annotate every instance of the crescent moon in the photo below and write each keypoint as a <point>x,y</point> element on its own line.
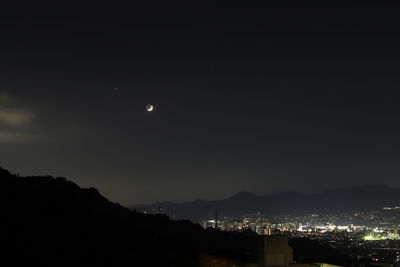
<point>149,107</point>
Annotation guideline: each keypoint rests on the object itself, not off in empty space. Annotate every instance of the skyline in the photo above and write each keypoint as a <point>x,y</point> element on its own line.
<point>258,98</point>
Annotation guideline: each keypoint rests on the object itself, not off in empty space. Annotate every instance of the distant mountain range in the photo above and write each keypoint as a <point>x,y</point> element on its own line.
<point>340,200</point>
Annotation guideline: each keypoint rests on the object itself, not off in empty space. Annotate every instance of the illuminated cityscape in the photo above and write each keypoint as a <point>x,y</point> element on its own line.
<point>373,235</point>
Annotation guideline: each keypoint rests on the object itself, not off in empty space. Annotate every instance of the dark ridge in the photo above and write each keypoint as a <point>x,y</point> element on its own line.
<point>340,200</point>
<point>243,196</point>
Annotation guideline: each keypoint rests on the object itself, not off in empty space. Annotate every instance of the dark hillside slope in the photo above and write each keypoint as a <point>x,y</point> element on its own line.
<point>50,221</point>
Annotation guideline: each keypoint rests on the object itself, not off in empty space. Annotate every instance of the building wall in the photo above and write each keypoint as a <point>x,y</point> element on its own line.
<point>312,265</point>
<point>276,252</point>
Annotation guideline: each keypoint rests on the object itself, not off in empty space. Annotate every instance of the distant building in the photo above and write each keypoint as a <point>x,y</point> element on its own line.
<point>160,210</point>
<point>216,219</point>
<point>209,224</point>
<point>267,231</point>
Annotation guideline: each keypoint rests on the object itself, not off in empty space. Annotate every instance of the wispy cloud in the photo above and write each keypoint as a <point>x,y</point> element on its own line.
<point>15,117</point>
<point>15,120</point>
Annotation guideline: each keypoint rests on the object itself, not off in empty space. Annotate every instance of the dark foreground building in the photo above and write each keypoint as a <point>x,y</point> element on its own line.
<point>274,251</point>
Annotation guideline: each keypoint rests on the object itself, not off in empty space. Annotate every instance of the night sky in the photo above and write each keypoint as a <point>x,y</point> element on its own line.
<point>294,95</point>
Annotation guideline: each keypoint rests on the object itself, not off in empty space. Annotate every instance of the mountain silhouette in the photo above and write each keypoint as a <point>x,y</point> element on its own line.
<point>340,200</point>
<point>49,221</point>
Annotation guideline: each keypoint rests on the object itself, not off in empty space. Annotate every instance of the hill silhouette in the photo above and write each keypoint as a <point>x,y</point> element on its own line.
<point>340,200</point>
<point>50,221</point>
